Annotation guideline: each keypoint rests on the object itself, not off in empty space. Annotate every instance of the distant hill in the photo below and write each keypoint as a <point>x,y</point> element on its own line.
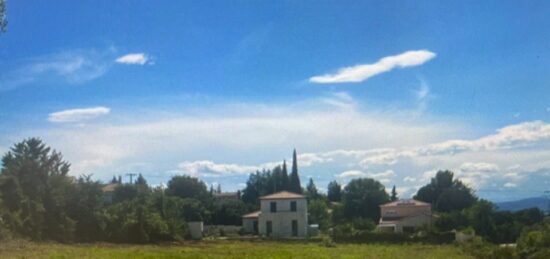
<point>539,202</point>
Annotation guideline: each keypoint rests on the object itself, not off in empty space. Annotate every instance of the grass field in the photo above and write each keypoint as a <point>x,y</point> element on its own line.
<point>226,249</point>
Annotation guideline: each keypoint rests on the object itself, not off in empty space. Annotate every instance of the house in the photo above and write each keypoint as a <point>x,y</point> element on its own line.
<point>282,214</point>
<point>228,196</point>
<point>108,192</point>
<point>404,216</point>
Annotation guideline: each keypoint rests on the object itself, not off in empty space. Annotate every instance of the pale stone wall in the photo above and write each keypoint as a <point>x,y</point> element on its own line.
<point>248,225</point>
<point>415,221</point>
<point>282,219</point>
<point>404,210</point>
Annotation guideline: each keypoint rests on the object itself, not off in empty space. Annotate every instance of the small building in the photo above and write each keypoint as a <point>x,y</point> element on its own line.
<point>282,215</point>
<point>108,192</point>
<point>228,195</point>
<point>404,216</point>
<point>250,222</point>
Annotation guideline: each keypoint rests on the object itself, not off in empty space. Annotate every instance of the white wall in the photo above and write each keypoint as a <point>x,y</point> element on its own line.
<point>282,219</point>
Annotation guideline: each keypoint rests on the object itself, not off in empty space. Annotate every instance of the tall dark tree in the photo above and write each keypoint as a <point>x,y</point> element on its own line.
<point>114,180</point>
<point>285,178</point>
<point>295,185</point>
<point>141,180</point>
<point>362,198</point>
<point>311,190</point>
<point>334,191</point>
<point>393,194</point>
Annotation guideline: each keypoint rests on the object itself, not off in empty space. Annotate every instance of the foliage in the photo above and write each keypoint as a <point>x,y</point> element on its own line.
<point>535,242</point>
<point>294,183</point>
<point>184,186</point>
<point>446,194</point>
<point>334,191</point>
<point>3,20</point>
<point>362,198</point>
<point>228,212</point>
<point>311,190</point>
<point>318,214</point>
<point>393,196</point>
<point>35,188</point>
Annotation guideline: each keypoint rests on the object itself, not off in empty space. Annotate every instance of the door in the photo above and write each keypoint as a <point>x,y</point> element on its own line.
<point>269,228</point>
<point>294,228</point>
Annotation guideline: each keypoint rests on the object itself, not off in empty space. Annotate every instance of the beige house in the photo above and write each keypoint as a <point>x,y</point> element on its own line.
<point>282,214</point>
<point>404,216</point>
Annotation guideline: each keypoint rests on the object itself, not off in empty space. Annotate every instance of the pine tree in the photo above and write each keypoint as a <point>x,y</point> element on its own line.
<point>312,192</point>
<point>295,185</point>
<point>114,180</point>
<point>393,194</point>
<point>285,180</point>
<point>219,189</point>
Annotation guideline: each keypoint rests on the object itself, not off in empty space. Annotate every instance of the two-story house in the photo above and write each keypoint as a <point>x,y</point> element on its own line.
<point>282,214</point>
<point>404,216</point>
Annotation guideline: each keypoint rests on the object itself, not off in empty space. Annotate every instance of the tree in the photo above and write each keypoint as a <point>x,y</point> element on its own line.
<point>480,217</point>
<point>393,194</point>
<point>446,194</point>
<point>3,20</point>
<point>362,198</point>
<point>285,179</point>
<point>228,212</point>
<point>311,189</point>
<point>187,187</point>
<point>318,214</point>
<point>85,206</point>
<point>35,188</point>
<point>295,185</point>
<point>334,191</point>
<point>141,180</point>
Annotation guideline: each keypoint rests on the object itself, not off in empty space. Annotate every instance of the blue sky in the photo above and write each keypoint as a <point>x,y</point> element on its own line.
<point>393,90</point>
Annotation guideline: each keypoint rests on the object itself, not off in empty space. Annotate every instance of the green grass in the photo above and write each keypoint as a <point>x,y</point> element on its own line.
<point>227,249</point>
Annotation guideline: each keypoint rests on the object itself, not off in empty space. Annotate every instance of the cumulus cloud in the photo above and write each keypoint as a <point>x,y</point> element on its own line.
<point>516,135</point>
<point>360,73</point>
<point>352,174</point>
<point>133,59</point>
<point>208,168</point>
<point>510,185</point>
<point>75,115</point>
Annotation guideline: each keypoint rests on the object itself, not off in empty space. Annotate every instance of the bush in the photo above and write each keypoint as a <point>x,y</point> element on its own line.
<point>327,241</point>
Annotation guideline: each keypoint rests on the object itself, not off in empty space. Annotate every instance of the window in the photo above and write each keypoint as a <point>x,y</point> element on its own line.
<point>268,228</point>
<point>292,206</point>
<point>295,228</point>
<point>273,207</point>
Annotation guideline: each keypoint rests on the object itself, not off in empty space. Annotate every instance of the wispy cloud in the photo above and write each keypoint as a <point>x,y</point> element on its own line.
<point>76,115</point>
<point>360,73</point>
<point>72,66</point>
<point>206,168</point>
<point>133,59</point>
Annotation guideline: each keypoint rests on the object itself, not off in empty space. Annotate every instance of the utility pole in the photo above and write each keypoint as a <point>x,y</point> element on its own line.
<point>131,177</point>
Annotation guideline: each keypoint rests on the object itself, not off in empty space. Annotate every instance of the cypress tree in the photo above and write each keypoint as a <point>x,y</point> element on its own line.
<point>285,180</point>
<point>393,194</point>
<point>295,185</point>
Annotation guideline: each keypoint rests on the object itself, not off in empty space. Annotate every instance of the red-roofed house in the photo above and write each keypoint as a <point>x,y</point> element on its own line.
<point>404,216</point>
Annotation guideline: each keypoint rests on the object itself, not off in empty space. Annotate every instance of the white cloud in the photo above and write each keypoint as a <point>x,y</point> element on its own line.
<point>385,174</point>
<point>308,159</point>
<point>74,115</point>
<point>409,179</point>
<point>133,59</point>
<point>510,185</point>
<point>71,66</point>
<point>361,73</point>
<point>207,168</point>
<point>352,174</point>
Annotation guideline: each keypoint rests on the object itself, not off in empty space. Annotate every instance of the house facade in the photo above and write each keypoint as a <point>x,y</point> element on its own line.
<point>404,216</point>
<point>281,215</point>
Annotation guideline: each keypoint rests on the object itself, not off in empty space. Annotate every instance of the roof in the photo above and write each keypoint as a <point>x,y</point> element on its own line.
<point>282,196</point>
<point>409,202</point>
<point>252,215</point>
<point>109,187</point>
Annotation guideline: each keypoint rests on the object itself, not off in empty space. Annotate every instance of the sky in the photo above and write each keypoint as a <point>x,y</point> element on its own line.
<point>391,90</point>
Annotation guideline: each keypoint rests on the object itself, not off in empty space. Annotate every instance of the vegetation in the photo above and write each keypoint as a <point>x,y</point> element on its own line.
<point>230,249</point>
<point>3,20</point>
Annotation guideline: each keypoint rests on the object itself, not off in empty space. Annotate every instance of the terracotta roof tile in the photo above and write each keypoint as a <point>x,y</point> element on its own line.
<point>282,196</point>
<point>410,202</point>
